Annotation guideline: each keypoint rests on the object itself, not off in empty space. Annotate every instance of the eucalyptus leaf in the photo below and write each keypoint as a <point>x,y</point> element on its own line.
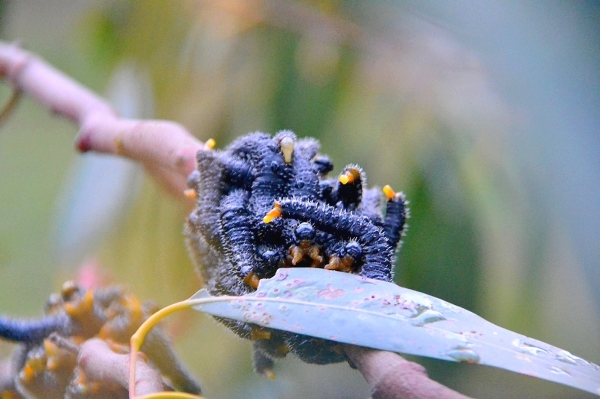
<point>351,309</point>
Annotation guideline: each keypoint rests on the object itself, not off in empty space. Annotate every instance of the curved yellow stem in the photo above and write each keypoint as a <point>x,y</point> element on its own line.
<point>136,342</point>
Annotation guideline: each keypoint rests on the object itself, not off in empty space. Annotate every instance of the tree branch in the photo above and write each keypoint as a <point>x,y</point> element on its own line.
<point>100,363</point>
<point>393,377</point>
<point>165,148</point>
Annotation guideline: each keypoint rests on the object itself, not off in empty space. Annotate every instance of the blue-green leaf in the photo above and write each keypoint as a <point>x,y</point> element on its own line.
<point>380,315</point>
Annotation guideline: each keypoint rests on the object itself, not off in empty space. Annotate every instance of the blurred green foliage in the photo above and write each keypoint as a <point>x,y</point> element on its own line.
<point>379,87</point>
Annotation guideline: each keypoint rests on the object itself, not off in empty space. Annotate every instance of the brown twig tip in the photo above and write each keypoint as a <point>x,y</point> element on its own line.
<point>12,59</point>
<point>10,105</point>
<point>392,377</point>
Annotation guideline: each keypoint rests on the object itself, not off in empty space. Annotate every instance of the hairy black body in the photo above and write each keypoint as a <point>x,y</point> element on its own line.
<point>265,203</point>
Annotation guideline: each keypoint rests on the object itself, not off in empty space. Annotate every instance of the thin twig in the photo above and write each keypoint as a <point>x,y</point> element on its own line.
<point>10,105</point>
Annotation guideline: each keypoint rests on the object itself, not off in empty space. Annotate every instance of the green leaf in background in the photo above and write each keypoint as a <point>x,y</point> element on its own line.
<point>376,314</point>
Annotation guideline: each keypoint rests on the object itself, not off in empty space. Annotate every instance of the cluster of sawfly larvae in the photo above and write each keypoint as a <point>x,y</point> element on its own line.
<point>45,362</point>
<point>265,203</point>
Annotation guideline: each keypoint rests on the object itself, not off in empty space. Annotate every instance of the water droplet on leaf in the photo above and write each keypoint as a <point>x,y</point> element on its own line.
<point>427,316</point>
<point>569,358</point>
<point>463,354</point>
<point>559,371</point>
<point>530,348</point>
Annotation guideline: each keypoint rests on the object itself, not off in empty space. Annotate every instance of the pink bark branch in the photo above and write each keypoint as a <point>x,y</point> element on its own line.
<point>158,145</point>
<point>100,363</point>
<point>393,377</point>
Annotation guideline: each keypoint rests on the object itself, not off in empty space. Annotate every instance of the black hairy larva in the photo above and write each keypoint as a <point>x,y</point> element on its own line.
<point>266,202</point>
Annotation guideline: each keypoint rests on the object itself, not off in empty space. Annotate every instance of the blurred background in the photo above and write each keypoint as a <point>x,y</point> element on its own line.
<point>485,113</point>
